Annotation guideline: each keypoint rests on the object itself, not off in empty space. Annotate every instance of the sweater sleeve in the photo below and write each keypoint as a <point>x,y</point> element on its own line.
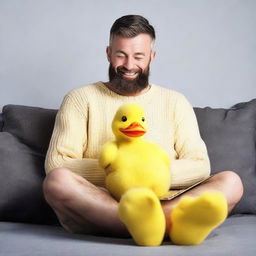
<point>192,162</point>
<point>69,140</point>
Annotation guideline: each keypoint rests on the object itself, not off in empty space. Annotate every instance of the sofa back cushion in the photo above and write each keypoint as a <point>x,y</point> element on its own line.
<point>31,125</point>
<point>24,141</point>
<point>230,136</point>
<point>22,173</point>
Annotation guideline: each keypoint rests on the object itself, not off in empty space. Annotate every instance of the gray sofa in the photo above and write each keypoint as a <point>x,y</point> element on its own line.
<point>29,227</point>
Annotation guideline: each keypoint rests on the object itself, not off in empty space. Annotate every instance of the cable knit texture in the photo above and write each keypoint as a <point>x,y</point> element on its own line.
<point>83,125</point>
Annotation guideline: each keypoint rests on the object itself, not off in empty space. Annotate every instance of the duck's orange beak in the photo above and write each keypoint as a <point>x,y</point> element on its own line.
<point>133,130</point>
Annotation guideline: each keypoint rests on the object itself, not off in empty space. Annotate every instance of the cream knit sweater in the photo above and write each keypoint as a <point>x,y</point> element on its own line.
<point>83,125</point>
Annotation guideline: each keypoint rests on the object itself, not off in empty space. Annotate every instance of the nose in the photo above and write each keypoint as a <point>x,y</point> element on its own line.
<point>129,64</point>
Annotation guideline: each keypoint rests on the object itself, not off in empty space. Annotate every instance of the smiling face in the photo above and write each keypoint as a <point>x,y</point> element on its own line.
<point>130,59</point>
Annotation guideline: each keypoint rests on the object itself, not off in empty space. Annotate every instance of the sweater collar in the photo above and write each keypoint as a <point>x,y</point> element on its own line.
<point>116,95</point>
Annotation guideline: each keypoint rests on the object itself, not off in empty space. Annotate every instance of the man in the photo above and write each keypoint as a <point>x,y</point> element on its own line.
<point>74,185</point>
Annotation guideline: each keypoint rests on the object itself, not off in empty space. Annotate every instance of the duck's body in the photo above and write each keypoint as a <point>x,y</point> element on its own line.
<point>137,164</point>
<point>138,173</point>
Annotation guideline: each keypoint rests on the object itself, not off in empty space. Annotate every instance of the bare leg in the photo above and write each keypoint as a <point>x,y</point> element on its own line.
<point>80,206</point>
<point>84,208</point>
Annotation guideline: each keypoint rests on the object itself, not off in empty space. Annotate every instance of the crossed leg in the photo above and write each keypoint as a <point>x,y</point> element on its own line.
<point>84,208</point>
<point>80,206</point>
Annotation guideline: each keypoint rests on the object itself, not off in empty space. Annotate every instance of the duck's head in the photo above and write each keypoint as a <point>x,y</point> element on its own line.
<point>129,122</point>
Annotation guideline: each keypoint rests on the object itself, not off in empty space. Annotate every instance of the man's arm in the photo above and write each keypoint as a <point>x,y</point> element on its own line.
<point>192,163</point>
<point>69,140</point>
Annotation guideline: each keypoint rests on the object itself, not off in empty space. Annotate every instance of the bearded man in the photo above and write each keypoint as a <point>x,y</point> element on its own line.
<point>74,185</point>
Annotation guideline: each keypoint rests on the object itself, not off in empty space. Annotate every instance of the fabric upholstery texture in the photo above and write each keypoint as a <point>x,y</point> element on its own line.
<point>230,136</point>
<point>22,173</point>
<point>228,133</point>
<point>31,125</point>
<point>1,122</point>
<point>236,237</point>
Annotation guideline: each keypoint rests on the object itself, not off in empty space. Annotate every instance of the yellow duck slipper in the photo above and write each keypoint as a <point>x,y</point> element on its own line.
<point>140,210</point>
<point>192,219</point>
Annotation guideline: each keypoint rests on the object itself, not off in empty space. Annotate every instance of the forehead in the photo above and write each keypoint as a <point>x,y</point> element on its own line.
<point>139,43</point>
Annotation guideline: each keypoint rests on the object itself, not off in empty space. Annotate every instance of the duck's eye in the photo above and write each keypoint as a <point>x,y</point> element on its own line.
<point>124,118</point>
<point>143,119</point>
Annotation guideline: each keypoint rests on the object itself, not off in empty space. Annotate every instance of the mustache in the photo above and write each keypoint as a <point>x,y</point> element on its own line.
<point>123,69</point>
<point>120,71</point>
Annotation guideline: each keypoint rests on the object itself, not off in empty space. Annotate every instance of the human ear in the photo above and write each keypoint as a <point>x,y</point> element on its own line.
<point>152,56</point>
<point>108,51</point>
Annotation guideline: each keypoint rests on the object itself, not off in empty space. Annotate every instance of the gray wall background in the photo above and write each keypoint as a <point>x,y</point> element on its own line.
<point>206,49</point>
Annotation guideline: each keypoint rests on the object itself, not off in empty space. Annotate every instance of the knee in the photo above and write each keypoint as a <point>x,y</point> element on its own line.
<point>232,182</point>
<point>55,185</point>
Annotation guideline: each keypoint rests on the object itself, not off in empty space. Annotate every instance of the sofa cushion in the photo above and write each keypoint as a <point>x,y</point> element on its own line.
<point>1,122</point>
<point>32,125</point>
<point>236,237</point>
<point>22,173</point>
<point>230,136</point>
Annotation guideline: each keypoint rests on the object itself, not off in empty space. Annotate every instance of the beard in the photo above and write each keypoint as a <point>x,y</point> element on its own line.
<point>125,86</point>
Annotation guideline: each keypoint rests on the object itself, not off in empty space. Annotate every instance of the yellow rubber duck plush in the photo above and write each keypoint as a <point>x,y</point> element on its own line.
<point>138,174</point>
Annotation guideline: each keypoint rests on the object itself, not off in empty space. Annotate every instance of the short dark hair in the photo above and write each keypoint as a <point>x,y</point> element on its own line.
<point>131,26</point>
